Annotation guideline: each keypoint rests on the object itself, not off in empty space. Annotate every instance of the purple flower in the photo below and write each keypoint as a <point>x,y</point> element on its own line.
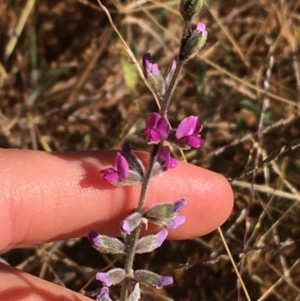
<point>118,174</point>
<point>148,66</point>
<point>157,128</point>
<point>164,158</point>
<point>188,132</point>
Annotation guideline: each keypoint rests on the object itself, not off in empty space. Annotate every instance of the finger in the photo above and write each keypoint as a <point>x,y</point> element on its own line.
<point>52,196</point>
<point>18,285</point>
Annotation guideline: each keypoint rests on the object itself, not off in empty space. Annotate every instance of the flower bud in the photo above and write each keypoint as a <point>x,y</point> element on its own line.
<point>136,293</point>
<point>130,222</point>
<point>151,242</point>
<point>193,42</point>
<point>153,279</point>
<point>112,277</point>
<point>136,167</point>
<point>170,73</point>
<point>106,244</point>
<point>103,295</point>
<point>164,161</point>
<point>189,8</point>
<point>153,75</point>
<point>166,214</point>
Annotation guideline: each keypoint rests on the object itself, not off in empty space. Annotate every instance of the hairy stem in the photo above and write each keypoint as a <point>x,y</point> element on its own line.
<point>171,88</point>
<point>173,83</point>
<point>132,240</point>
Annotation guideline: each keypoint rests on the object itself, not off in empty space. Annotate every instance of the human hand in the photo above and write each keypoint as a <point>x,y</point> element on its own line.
<point>53,196</point>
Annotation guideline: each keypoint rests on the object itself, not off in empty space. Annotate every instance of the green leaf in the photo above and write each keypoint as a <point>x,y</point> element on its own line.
<point>130,75</point>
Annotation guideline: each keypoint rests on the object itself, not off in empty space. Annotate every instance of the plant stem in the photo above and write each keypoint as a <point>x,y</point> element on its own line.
<point>132,240</point>
<point>171,88</point>
<point>173,83</point>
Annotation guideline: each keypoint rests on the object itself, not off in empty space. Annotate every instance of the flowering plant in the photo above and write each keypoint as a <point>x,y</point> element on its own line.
<point>129,170</point>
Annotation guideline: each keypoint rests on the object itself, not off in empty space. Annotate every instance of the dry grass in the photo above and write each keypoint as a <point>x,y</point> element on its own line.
<point>66,83</point>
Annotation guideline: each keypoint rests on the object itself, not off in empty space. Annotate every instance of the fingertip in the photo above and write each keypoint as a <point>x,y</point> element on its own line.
<point>209,200</point>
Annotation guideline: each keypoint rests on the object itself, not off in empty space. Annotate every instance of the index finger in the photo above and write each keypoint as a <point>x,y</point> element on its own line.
<point>54,196</point>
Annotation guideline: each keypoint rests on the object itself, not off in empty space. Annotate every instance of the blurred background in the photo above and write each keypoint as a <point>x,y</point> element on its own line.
<point>67,84</point>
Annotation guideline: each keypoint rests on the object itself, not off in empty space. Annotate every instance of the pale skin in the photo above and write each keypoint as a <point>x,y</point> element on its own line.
<point>52,196</point>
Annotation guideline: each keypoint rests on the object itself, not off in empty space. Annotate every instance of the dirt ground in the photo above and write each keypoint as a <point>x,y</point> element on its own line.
<point>67,84</point>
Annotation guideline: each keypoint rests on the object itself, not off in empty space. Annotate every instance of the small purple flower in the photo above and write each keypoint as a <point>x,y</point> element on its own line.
<point>178,205</point>
<point>174,65</point>
<point>103,295</point>
<point>153,76</point>
<point>164,158</point>
<point>157,128</point>
<point>202,28</point>
<point>147,61</point>
<point>188,132</point>
<point>148,66</point>
<point>118,174</point>
<point>176,221</point>
<point>163,281</point>
<point>95,238</point>
<point>126,227</point>
<point>104,278</point>
<point>161,236</point>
